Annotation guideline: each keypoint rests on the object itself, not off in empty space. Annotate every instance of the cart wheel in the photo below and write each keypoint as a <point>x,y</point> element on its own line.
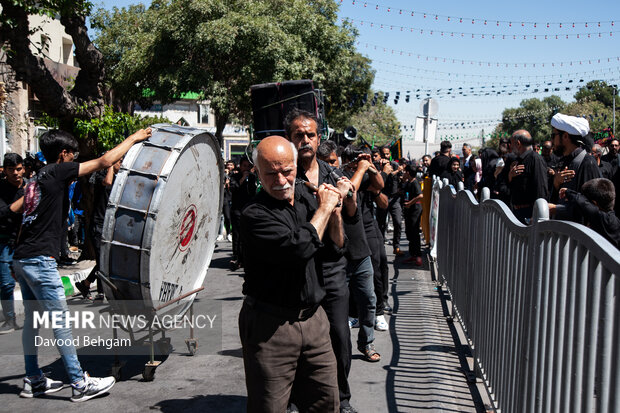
<point>192,345</point>
<point>148,374</point>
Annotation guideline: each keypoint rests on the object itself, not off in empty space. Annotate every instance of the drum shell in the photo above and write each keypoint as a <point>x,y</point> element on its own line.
<point>134,279</point>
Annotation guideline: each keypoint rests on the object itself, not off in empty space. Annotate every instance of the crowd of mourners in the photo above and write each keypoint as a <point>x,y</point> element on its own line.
<point>309,222</point>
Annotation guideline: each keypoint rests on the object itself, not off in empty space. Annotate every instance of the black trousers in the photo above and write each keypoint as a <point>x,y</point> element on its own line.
<point>226,214</point>
<point>413,215</point>
<point>380,268</point>
<point>236,236</point>
<point>396,212</point>
<point>336,306</point>
<point>92,277</point>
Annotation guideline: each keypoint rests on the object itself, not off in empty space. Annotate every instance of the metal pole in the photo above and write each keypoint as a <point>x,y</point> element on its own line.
<point>614,109</point>
<point>426,126</point>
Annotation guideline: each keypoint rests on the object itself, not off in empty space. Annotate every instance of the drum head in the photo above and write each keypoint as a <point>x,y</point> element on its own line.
<point>163,219</point>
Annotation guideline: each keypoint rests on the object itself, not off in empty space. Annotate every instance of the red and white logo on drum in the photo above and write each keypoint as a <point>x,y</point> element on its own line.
<point>188,225</point>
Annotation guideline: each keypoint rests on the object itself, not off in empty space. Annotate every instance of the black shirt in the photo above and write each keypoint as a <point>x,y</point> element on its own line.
<point>453,177</point>
<point>356,231</point>
<point>9,220</point>
<point>411,189</point>
<point>439,165</point>
<point>242,190</point>
<point>585,169</point>
<point>46,206</point>
<point>102,195</point>
<point>605,223</point>
<point>606,170</point>
<point>532,184</point>
<point>279,250</point>
<point>332,262</point>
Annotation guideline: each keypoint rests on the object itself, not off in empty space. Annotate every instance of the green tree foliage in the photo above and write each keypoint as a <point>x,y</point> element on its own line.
<point>593,101</point>
<point>219,48</point>
<point>107,130</point>
<point>533,115</point>
<point>111,128</point>
<point>597,90</point>
<point>377,124</point>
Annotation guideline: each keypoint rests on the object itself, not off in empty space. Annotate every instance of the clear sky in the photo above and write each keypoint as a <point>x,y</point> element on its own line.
<point>407,57</point>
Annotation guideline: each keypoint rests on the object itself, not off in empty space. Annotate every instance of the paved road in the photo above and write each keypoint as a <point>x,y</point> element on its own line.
<point>420,368</point>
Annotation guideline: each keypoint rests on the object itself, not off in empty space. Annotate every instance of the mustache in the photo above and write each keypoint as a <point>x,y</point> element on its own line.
<point>281,187</point>
<point>304,147</point>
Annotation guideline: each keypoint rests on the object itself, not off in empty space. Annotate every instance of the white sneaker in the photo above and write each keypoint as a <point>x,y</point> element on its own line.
<point>93,387</point>
<point>220,238</point>
<point>354,322</point>
<point>381,324</point>
<point>38,387</point>
<point>229,237</point>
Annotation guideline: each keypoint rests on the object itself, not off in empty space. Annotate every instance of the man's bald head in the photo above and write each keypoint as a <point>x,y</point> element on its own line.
<point>275,159</point>
<point>520,141</point>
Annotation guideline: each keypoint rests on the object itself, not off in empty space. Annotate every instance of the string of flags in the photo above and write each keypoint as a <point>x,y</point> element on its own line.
<point>454,92</point>
<point>451,75</point>
<point>531,65</point>
<point>593,74</point>
<point>470,35</point>
<point>476,124</point>
<point>516,23</point>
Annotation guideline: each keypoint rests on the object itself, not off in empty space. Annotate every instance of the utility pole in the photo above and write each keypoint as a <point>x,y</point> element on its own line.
<point>614,108</point>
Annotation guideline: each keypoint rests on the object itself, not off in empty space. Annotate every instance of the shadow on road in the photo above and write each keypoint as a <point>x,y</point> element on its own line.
<point>210,403</point>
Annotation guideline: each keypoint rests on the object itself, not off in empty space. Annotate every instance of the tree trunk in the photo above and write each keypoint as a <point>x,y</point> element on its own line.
<point>85,100</point>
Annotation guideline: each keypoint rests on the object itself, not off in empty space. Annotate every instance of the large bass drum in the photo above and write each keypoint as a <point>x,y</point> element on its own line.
<point>162,221</point>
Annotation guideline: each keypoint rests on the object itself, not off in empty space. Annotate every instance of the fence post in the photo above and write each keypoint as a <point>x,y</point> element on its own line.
<point>460,186</point>
<point>486,194</point>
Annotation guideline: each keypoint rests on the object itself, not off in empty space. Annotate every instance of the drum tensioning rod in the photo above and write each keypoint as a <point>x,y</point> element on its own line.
<point>166,304</point>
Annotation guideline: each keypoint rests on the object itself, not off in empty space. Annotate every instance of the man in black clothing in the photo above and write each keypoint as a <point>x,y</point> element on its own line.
<point>243,188</point>
<point>283,329</point>
<point>11,189</point>
<point>605,167</point>
<point>391,171</point>
<point>302,130</point>
<point>576,166</point>
<point>527,176</point>
<point>102,181</point>
<point>441,162</point>
<point>612,155</point>
<point>413,213</point>
<point>467,168</point>
<point>363,283</point>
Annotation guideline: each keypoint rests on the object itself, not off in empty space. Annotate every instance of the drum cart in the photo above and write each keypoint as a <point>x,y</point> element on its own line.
<point>160,229</point>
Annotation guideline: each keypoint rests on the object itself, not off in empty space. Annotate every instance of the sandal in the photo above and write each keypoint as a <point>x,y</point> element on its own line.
<point>370,354</point>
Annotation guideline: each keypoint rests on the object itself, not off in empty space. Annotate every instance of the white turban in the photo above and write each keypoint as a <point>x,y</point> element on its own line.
<point>571,124</point>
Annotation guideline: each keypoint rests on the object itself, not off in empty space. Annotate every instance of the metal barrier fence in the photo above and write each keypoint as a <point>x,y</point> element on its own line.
<point>538,303</point>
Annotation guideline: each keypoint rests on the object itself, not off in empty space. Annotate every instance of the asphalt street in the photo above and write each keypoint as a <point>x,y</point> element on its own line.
<point>421,368</point>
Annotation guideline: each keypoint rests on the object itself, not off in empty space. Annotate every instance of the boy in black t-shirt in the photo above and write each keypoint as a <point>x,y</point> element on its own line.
<point>45,206</point>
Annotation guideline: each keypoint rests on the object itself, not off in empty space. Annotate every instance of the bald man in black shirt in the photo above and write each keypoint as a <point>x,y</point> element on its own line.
<point>284,331</point>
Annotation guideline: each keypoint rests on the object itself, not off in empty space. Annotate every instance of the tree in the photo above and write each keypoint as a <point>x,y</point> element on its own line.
<point>597,90</point>
<point>219,48</point>
<point>85,99</point>
<point>377,123</point>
